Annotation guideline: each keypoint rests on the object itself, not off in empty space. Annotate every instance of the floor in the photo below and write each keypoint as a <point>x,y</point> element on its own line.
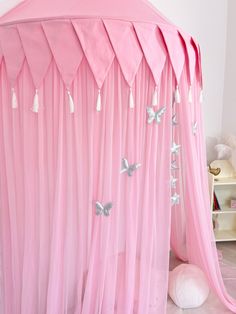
<point>212,305</point>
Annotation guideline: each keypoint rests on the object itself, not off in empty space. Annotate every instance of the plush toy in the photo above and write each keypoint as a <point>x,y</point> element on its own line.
<point>188,287</point>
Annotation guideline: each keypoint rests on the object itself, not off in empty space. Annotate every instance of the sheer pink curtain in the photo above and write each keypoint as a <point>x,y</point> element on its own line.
<point>58,256</point>
<point>192,236</point>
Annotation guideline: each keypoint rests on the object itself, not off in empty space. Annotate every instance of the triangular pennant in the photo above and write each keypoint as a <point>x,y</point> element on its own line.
<point>97,47</point>
<point>191,54</point>
<point>199,61</point>
<point>13,52</point>
<point>37,50</point>
<point>175,48</point>
<point>153,47</point>
<point>65,48</point>
<point>126,47</point>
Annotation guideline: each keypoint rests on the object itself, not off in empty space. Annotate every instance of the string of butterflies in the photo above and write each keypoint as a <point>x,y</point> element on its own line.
<point>130,169</point>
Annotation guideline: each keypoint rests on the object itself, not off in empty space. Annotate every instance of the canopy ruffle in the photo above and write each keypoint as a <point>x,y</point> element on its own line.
<point>68,41</point>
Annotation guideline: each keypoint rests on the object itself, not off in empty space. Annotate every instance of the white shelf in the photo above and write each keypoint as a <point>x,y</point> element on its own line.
<point>224,186</point>
<point>224,210</point>
<point>225,235</point>
<point>225,181</point>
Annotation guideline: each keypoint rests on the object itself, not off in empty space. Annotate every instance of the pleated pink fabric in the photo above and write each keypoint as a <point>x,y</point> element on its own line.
<point>96,184</point>
<point>57,255</point>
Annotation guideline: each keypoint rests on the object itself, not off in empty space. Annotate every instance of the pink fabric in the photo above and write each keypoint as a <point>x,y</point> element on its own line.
<point>66,49</point>
<point>122,35</point>
<point>13,52</point>
<point>36,48</point>
<point>153,47</point>
<point>132,10</point>
<point>96,46</point>
<point>195,242</point>
<point>175,49</point>
<point>99,45</point>
<point>58,256</point>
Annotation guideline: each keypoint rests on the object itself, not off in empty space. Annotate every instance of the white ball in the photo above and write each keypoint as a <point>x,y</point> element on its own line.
<point>188,287</point>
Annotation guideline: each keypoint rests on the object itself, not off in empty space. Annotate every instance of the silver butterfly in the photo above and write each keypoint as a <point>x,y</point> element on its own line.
<point>174,120</point>
<point>173,182</point>
<point>155,116</point>
<point>174,165</point>
<point>103,209</point>
<point>175,148</point>
<point>175,199</point>
<point>130,169</point>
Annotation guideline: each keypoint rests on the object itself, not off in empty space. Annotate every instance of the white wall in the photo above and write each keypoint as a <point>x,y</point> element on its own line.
<point>206,20</point>
<point>229,109</point>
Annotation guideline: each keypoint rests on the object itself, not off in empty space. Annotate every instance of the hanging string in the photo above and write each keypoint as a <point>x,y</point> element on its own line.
<point>177,95</point>
<point>71,102</point>
<point>190,95</point>
<point>99,101</point>
<point>36,102</point>
<point>14,102</point>
<point>155,97</point>
<point>131,99</point>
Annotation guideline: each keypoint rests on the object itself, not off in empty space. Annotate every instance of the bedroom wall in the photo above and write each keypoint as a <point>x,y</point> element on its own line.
<point>207,22</point>
<point>229,109</point>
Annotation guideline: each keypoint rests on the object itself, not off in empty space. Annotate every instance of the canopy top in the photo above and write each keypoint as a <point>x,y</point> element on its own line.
<point>132,10</point>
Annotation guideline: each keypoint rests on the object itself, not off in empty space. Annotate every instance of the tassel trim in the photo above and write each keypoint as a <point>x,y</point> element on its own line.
<point>177,95</point>
<point>14,102</point>
<point>99,101</point>
<point>155,97</point>
<point>71,102</point>
<point>36,102</point>
<point>131,99</point>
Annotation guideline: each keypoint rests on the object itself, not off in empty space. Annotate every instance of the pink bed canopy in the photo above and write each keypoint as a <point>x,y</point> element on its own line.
<point>102,162</point>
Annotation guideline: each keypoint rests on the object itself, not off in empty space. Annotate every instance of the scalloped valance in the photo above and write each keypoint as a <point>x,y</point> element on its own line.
<point>68,41</point>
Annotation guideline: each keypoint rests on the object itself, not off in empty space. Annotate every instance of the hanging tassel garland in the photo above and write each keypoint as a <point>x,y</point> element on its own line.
<point>14,102</point>
<point>99,101</point>
<point>36,102</point>
<point>71,102</point>
<point>177,95</point>
<point>131,99</point>
<point>155,97</point>
<point>190,95</point>
<point>201,96</point>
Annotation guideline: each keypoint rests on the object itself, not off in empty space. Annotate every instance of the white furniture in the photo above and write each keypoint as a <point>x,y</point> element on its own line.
<point>224,187</point>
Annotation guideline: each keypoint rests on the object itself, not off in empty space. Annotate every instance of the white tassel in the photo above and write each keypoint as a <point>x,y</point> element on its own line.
<point>131,99</point>
<point>190,95</point>
<point>14,102</point>
<point>201,96</point>
<point>99,101</point>
<point>177,95</point>
<point>155,97</point>
<point>36,102</point>
<point>71,102</point>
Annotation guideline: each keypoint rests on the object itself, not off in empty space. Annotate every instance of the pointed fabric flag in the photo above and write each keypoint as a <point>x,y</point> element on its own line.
<point>65,48</point>
<point>13,52</point>
<point>175,48</point>
<point>199,61</point>
<point>96,46</point>
<point>191,56</point>
<point>37,51</point>
<point>125,44</point>
<point>153,47</point>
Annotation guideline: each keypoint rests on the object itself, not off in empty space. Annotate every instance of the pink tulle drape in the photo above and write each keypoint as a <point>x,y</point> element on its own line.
<point>192,237</point>
<point>58,256</point>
